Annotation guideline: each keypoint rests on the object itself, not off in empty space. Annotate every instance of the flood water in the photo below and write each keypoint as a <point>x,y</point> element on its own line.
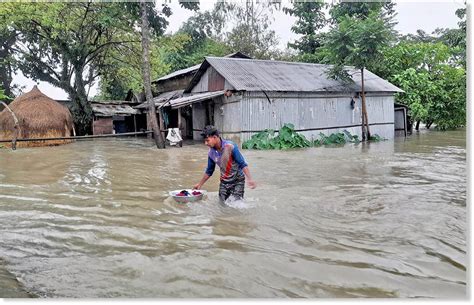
<point>93,219</point>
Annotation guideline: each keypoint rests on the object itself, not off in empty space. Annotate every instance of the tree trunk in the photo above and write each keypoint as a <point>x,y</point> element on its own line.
<point>159,141</point>
<point>81,108</point>
<point>417,128</point>
<point>7,39</point>
<point>365,117</point>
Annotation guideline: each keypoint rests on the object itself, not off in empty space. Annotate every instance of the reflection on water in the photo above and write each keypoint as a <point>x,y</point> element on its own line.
<point>93,219</point>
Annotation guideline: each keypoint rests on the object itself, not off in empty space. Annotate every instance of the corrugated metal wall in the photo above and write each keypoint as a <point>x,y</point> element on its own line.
<point>327,113</point>
<point>199,120</point>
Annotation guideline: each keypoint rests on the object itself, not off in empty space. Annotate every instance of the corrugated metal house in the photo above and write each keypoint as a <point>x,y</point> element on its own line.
<point>171,86</point>
<point>244,96</point>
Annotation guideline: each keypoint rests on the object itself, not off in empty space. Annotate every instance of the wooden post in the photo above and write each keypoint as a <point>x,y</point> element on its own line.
<point>135,124</point>
<point>16,127</point>
<point>405,121</point>
<point>162,126</point>
<point>179,119</point>
<point>365,118</point>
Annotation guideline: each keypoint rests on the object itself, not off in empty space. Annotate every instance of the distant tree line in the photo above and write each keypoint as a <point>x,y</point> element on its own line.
<point>74,45</point>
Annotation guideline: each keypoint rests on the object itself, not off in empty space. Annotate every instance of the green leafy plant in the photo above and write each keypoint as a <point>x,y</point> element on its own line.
<point>287,138</point>
<point>338,138</point>
<point>3,97</point>
<point>376,138</point>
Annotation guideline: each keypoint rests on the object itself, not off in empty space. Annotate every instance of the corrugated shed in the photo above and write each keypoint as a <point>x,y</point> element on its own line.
<point>268,75</point>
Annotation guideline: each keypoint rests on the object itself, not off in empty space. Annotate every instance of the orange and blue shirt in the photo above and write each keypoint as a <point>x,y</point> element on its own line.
<point>229,159</point>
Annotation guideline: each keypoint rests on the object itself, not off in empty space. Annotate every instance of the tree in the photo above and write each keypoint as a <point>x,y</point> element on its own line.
<point>249,23</point>
<point>360,9</point>
<point>207,24</point>
<point>310,21</point>
<point>205,33</point>
<point>122,70</point>
<point>435,88</point>
<point>358,41</point>
<point>7,61</point>
<point>159,141</point>
<point>66,44</point>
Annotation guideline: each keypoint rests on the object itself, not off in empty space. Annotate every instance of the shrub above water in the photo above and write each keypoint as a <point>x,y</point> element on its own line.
<point>288,138</point>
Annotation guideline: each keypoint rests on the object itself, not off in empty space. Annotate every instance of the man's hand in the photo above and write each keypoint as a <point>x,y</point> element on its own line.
<point>251,184</point>
<point>197,186</point>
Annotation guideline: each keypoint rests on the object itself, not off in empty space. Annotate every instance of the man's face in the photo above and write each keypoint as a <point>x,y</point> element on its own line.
<point>211,141</point>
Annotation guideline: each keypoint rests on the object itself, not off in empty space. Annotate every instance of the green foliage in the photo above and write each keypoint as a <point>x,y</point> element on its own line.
<point>310,20</point>
<point>339,138</point>
<point>69,45</point>
<point>419,91</point>
<point>376,138</point>
<point>358,42</point>
<point>3,96</point>
<point>180,51</point>
<point>360,9</point>
<point>251,33</point>
<point>287,138</point>
<point>7,60</point>
<point>124,66</point>
<point>434,84</point>
<point>448,110</point>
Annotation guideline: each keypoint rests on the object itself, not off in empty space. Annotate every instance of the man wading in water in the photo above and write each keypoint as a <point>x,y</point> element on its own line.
<point>233,167</point>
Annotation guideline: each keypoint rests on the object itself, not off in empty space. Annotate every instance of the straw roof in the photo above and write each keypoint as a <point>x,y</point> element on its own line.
<point>38,116</point>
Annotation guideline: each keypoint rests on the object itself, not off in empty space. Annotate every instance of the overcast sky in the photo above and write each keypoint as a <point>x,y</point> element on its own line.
<point>411,16</point>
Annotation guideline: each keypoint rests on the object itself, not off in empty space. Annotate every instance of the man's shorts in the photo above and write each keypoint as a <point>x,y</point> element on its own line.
<point>235,188</point>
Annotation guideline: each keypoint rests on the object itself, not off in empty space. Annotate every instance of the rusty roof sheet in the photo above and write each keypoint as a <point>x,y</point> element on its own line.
<point>269,75</point>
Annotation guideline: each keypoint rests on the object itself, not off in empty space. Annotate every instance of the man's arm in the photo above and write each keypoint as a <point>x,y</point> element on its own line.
<point>211,165</point>
<point>243,166</point>
<point>250,181</point>
<point>203,180</point>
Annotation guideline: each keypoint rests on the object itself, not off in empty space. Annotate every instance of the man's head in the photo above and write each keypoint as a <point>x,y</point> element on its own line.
<point>210,135</point>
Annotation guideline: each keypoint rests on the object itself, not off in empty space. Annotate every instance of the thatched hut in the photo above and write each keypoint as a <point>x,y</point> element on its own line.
<point>39,117</point>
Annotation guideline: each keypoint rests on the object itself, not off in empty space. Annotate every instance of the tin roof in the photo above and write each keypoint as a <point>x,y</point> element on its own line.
<point>178,73</point>
<point>161,98</point>
<point>178,100</point>
<point>100,109</point>
<point>193,69</point>
<point>270,75</point>
<point>194,98</point>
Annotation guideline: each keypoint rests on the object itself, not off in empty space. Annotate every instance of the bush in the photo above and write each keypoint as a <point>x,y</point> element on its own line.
<point>336,138</point>
<point>376,138</point>
<point>287,138</point>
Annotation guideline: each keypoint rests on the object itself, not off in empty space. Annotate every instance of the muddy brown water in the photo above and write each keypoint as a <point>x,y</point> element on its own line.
<point>93,219</point>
